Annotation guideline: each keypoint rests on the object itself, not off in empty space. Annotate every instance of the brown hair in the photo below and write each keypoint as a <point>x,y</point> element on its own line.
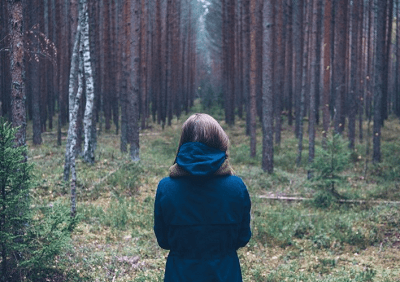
<point>205,129</point>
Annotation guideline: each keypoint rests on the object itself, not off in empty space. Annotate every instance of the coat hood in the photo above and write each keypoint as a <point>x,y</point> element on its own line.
<point>199,159</point>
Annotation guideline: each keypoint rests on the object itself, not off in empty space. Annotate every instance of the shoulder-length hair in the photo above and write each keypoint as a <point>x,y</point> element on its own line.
<point>205,129</point>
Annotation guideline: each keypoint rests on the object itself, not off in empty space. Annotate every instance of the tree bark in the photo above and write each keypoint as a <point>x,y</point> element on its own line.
<point>326,69</point>
<point>268,87</point>
<point>133,94</point>
<point>288,84</point>
<point>143,62</point>
<point>339,71</point>
<point>379,74</point>
<point>298,51</point>
<point>253,77</point>
<point>314,83</point>
<point>304,78</point>
<point>72,130</point>
<point>88,152</point>
<point>396,102</point>
<point>126,75</point>
<point>72,101</point>
<point>280,68</point>
<point>352,105</point>
<point>16,33</point>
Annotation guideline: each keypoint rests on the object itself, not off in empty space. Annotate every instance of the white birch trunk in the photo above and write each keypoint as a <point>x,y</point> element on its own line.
<point>72,89</point>
<point>88,152</point>
<point>72,132</point>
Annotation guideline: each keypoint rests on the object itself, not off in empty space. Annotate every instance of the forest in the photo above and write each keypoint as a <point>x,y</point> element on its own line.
<point>93,95</point>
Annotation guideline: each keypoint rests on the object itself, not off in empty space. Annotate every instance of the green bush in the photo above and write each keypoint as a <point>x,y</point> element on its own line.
<point>30,237</point>
<point>14,202</point>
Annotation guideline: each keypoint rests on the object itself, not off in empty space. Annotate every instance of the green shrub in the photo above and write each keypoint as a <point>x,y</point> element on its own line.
<point>29,237</point>
<point>323,199</point>
<point>14,202</point>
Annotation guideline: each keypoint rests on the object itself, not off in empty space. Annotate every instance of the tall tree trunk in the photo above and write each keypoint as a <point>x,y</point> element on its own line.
<point>289,63</point>
<point>246,61</point>
<point>396,104</point>
<point>352,105</point>
<point>371,59</point>
<point>326,69</point>
<point>126,75</point>
<point>60,65</point>
<point>298,51</point>
<point>253,76</point>
<point>339,71</point>
<point>280,68</point>
<point>361,72</point>
<point>34,71</point>
<point>230,97</point>
<point>143,62</point>
<point>88,152</point>
<point>268,87</point>
<point>16,33</point>
<point>304,78</point>
<point>72,131</point>
<point>133,94</point>
<point>314,82</point>
<point>72,101</point>
<point>379,76</point>
<point>387,58</point>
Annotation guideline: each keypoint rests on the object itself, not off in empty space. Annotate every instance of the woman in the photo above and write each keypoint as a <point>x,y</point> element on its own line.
<point>202,211</point>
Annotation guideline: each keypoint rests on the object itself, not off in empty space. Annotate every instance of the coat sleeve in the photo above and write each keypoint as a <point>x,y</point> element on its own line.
<point>244,227</point>
<point>160,228</point>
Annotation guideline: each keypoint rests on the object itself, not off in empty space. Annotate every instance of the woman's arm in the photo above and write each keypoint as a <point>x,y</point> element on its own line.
<point>160,228</point>
<point>244,227</point>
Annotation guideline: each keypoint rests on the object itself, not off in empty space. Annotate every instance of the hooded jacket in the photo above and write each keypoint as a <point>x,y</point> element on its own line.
<point>202,215</point>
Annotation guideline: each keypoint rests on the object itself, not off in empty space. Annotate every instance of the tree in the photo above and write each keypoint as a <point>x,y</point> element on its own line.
<point>304,79</point>
<point>14,199</point>
<point>73,84</point>
<point>34,64</point>
<point>314,82</point>
<point>125,75</point>
<point>379,74</point>
<point>88,152</point>
<point>339,67</point>
<point>268,87</point>
<point>327,67</point>
<point>17,49</point>
<point>355,26</point>
<point>396,102</point>
<point>133,91</point>
<point>298,52</point>
<point>280,39</point>
<point>253,76</point>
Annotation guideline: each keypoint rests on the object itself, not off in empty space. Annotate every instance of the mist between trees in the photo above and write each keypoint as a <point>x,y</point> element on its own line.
<point>91,64</point>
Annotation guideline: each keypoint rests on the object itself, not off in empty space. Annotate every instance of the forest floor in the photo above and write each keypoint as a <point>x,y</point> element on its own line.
<point>292,241</point>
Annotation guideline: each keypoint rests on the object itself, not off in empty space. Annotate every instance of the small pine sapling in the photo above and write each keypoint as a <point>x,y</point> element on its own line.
<point>329,162</point>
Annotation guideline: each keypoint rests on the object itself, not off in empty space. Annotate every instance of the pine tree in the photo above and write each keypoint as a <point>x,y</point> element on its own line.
<point>328,164</point>
<point>14,200</point>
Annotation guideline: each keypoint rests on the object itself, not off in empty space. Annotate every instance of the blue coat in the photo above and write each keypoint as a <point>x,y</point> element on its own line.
<point>202,218</point>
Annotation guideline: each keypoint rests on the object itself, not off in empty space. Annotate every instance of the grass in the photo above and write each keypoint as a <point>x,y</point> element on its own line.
<point>114,240</point>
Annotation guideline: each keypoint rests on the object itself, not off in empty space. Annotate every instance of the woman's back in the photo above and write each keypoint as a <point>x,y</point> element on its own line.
<point>202,215</point>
